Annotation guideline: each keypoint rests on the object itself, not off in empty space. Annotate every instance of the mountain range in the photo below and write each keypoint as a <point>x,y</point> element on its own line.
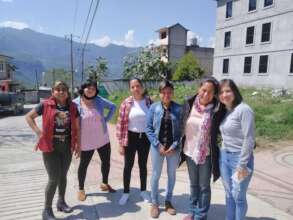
<point>38,52</point>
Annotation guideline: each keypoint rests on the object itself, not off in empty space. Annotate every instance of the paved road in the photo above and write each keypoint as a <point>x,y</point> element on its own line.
<point>22,182</point>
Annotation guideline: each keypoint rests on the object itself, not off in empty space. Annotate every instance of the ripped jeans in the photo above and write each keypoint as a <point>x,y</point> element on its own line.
<point>236,203</point>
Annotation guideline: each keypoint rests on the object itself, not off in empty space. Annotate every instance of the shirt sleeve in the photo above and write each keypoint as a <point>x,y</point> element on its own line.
<point>39,108</point>
<point>150,129</point>
<point>248,129</point>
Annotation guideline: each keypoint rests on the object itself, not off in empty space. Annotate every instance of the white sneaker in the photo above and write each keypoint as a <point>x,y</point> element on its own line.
<point>124,198</point>
<point>145,196</point>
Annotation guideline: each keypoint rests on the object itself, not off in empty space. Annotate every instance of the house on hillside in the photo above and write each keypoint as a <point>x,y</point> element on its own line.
<point>6,74</point>
<point>254,42</point>
<point>173,45</point>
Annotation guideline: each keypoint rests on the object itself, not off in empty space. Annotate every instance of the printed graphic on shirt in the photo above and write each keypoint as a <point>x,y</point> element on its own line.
<point>62,121</point>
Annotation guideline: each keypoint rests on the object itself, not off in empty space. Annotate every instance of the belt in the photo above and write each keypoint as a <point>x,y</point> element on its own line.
<point>139,134</point>
<point>61,137</point>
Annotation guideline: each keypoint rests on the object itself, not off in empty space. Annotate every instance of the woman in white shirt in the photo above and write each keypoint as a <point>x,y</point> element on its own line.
<point>131,136</point>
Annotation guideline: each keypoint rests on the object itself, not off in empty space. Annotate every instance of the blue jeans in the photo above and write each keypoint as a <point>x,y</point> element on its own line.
<point>200,189</point>
<point>157,164</point>
<point>236,203</point>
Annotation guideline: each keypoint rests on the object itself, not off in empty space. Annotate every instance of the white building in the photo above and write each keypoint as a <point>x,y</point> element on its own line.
<point>254,42</point>
<point>173,45</point>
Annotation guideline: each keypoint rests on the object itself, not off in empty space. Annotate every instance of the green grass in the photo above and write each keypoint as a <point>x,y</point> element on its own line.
<point>273,116</point>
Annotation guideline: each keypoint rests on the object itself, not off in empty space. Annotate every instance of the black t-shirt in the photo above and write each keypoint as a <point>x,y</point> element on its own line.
<point>62,124</point>
<point>166,130</point>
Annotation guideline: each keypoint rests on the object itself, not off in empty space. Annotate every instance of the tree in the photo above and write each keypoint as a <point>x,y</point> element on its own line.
<point>146,65</point>
<point>99,71</point>
<point>188,68</point>
<point>57,74</point>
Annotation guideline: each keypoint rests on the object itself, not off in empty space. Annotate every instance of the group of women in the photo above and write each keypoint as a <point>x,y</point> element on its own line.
<point>166,129</point>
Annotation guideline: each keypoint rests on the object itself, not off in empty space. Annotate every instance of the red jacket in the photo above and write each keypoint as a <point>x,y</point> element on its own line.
<point>45,143</point>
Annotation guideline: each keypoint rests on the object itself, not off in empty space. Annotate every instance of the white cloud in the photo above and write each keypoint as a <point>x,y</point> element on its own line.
<point>128,40</point>
<point>41,29</point>
<point>14,24</point>
<point>155,42</point>
<point>191,35</point>
<point>103,41</point>
<point>7,0</point>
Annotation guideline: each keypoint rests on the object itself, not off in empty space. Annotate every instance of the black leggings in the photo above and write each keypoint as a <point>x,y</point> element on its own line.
<point>57,164</point>
<point>140,143</point>
<point>85,158</point>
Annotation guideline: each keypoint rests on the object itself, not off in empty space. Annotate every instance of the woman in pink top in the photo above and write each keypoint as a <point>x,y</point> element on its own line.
<point>199,148</point>
<point>94,133</point>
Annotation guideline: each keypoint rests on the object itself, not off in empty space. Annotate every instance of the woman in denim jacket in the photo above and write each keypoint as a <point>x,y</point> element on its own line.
<point>164,133</point>
<point>94,133</point>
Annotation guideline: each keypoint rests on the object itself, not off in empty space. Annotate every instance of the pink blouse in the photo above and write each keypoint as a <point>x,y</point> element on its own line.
<point>92,133</point>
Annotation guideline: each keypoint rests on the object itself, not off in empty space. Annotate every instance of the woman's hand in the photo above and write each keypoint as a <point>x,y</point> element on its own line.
<point>162,150</point>
<point>242,173</point>
<point>121,150</point>
<point>39,133</point>
<point>77,152</point>
<point>170,152</point>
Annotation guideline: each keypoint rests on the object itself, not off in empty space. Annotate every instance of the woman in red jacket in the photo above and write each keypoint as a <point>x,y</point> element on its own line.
<point>58,139</point>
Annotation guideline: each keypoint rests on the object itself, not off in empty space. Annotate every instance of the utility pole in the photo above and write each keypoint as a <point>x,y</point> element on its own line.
<point>37,81</point>
<point>83,50</point>
<point>71,63</point>
<point>82,65</point>
<point>53,77</point>
<point>72,71</point>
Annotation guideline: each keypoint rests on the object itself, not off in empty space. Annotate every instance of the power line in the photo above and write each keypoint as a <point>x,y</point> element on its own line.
<point>81,38</point>
<point>74,16</point>
<point>86,21</point>
<point>86,40</point>
<point>91,25</point>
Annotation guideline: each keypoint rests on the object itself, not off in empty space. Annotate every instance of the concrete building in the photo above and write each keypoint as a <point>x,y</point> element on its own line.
<point>173,45</point>
<point>6,74</point>
<point>254,42</point>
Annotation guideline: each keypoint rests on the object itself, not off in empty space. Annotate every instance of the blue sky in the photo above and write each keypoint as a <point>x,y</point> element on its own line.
<point>123,22</point>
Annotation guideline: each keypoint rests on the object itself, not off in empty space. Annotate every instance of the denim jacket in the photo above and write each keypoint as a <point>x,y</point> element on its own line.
<point>154,118</point>
<point>101,105</point>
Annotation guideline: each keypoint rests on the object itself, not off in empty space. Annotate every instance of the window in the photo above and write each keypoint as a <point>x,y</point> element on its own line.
<point>227,42</point>
<point>266,32</point>
<point>291,65</point>
<point>229,9</point>
<point>247,64</point>
<point>1,67</point>
<point>252,5</point>
<point>263,64</point>
<point>250,35</point>
<point>163,35</point>
<point>225,65</point>
<point>268,3</point>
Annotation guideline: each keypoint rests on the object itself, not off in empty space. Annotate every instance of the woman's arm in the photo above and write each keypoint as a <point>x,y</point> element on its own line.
<point>30,119</point>
<point>150,130</point>
<point>110,106</point>
<point>248,130</point>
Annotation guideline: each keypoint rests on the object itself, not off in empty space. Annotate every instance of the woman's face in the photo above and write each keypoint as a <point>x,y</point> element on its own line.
<point>136,88</point>
<point>166,95</point>
<point>90,91</point>
<point>206,93</point>
<point>226,96</point>
<point>60,93</point>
